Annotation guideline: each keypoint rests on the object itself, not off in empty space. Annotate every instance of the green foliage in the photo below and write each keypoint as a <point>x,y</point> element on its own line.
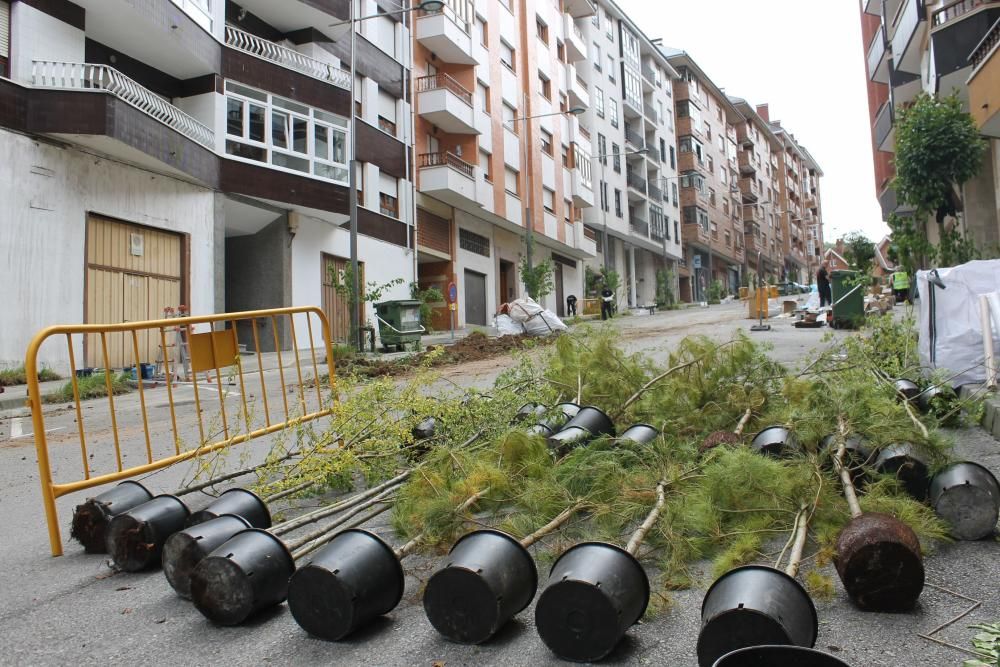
<point>859,250</point>
<point>92,386</point>
<point>937,147</point>
<point>426,297</point>
<point>986,643</point>
<point>613,280</point>
<point>716,291</point>
<point>665,280</point>
<point>10,377</point>
<point>372,292</point>
<point>538,280</point>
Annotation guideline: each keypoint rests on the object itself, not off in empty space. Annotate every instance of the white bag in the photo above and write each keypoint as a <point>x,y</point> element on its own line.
<point>544,323</point>
<point>506,325</point>
<point>521,310</point>
<point>950,332</point>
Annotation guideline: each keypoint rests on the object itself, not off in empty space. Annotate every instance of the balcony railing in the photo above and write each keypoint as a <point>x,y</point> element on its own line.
<point>288,58</point>
<point>589,234</point>
<point>446,159</point>
<point>636,181</point>
<point>984,47</point>
<point>639,225</point>
<point>648,73</point>
<point>650,112</point>
<point>85,76</point>
<point>653,153</point>
<point>958,9</point>
<point>655,193</point>
<point>444,81</point>
<point>633,137</point>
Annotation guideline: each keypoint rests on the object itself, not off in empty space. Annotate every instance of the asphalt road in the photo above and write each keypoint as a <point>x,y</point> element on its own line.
<point>75,610</point>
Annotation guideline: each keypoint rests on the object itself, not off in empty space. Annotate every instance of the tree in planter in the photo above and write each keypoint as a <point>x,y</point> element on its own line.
<point>538,280</point>
<point>938,148</point>
<point>665,280</point>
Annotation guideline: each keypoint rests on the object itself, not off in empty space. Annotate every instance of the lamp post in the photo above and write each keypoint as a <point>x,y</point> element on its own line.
<point>529,232</point>
<point>427,5</point>
<point>604,213</point>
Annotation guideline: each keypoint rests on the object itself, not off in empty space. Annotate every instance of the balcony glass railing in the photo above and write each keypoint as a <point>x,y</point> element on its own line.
<point>288,58</point>
<point>85,76</point>
<point>636,181</point>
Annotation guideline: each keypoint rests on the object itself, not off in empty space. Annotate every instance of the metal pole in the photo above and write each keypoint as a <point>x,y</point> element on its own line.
<point>604,213</point>
<point>354,338</point>
<point>529,231</point>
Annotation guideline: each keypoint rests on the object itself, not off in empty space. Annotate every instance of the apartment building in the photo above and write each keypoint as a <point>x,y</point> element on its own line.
<point>938,47</point>
<point>500,156</point>
<point>195,152</point>
<point>631,124</point>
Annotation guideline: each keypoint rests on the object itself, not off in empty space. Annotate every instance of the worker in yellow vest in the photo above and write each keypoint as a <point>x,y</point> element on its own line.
<point>901,286</point>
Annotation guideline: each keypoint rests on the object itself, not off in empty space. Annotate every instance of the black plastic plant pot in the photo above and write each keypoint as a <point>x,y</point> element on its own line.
<point>906,389</point>
<point>558,416</point>
<point>185,549</point>
<point>967,497</point>
<point>349,582</point>
<point>858,454</point>
<point>902,461</point>
<point>596,592</point>
<point>240,502</point>
<point>91,519</point>
<point>778,656</point>
<point>246,574</point>
<point>568,438</point>
<point>424,429</point>
<point>776,441</point>
<point>529,411</point>
<point>540,429</point>
<point>487,579</point>
<point>594,420</point>
<point>754,605</point>
<point>879,563</point>
<point>940,402</point>
<point>642,434</point>
<point>135,539</point>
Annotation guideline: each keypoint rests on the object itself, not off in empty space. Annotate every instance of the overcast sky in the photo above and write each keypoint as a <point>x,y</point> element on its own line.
<point>803,58</point>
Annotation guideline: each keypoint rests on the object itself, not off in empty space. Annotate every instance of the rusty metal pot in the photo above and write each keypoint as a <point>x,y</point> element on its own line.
<point>879,563</point>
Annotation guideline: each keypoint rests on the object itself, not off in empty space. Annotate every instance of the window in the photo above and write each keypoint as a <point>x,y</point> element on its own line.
<point>673,158</point>
<point>482,30</point>
<point>599,101</point>
<point>565,156</point>
<point>545,86</point>
<point>284,134</point>
<point>677,232</point>
<point>507,55</point>
<point>673,193</point>
<point>602,148</point>
<point>595,56</point>
<point>548,200</point>
<point>386,125</point>
<point>546,142</point>
<point>561,51</point>
<point>711,164</point>
<point>507,4</point>
<point>486,164</point>
<point>542,30</point>
<point>618,202</point>
<point>611,68</point>
<point>708,130</point>
<point>5,37</point>
<point>615,152</point>
<point>473,242</point>
<point>388,205</point>
<point>508,115</point>
<point>724,176</point>
<point>711,196</point>
<point>567,212</point>
<point>613,112</point>
<point>663,149</point>
<point>483,97</point>
<point>511,180</point>
<point>632,88</point>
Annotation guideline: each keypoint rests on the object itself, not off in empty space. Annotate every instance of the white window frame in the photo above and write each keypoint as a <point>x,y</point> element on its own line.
<point>314,118</point>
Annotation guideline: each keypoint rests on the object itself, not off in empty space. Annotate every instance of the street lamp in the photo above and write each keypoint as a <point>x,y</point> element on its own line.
<point>604,212</point>
<point>529,232</point>
<point>429,6</point>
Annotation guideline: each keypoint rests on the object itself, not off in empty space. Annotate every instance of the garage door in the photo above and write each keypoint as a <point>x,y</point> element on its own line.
<point>133,273</point>
<point>475,298</point>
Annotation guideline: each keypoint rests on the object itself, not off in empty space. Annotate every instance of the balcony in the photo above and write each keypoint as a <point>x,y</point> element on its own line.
<point>885,135</point>
<point>586,239</point>
<point>651,114</point>
<point>287,58</point>
<point>957,30</point>
<point>639,226</point>
<point>655,193</point>
<point>104,79</point>
<point>448,32</point>
<point>632,137</point>
<point>579,9</point>
<point>636,186</point>
<point>683,92</point>
<point>687,162</point>
<point>743,136</point>
<point>984,84</point>
<point>581,185</point>
<point>576,43</point>
<point>444,102</point>
<point>653,153</point>
<point>878,60</point>
<point>576,89</point>
<point>648,78</point>
<point>908,34</point>
<point>687,126</point>
<point>447,177</point>
<point>749,189</point>
<point>747,167</point>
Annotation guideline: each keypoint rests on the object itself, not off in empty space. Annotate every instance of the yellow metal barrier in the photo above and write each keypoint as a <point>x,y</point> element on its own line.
<point>209,353</point>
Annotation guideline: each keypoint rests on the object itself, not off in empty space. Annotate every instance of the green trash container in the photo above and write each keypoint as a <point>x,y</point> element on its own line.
<point>398,323</point>
<point>848,300</point>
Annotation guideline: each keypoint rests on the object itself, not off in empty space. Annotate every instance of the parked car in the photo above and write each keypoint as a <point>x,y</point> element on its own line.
<point>791,288</point>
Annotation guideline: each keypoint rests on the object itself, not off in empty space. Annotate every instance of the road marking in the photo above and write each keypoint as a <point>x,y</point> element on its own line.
<point>17,429</point>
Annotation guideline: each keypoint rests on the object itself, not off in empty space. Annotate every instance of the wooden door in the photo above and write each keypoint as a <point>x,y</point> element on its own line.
<point>135,308</point>
<point>335,305</point>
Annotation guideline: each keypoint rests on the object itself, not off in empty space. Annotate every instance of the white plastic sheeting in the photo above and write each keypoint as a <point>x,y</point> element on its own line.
<point>951,336</point>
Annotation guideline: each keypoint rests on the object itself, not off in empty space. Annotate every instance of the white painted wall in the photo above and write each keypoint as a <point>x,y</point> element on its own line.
<point>46,193</point>
<point>475,262</point>
<point>37,36</point>
<point>383,262</point>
